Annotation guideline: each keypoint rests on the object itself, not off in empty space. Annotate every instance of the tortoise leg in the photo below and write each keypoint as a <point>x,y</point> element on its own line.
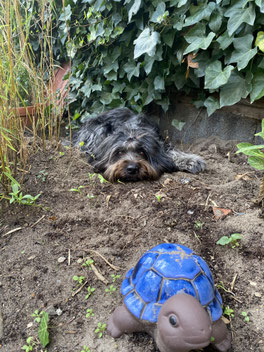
<point>221,335</point>
<point>121,321</point>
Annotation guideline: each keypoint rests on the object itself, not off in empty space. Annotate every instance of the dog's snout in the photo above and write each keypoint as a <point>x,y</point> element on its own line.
<point>132,169</point>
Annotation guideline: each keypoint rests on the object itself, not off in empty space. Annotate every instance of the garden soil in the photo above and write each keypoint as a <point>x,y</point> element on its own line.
<point>43,247</point>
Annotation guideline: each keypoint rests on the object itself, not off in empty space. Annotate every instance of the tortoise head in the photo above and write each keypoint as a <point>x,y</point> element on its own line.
<point>183,325</point>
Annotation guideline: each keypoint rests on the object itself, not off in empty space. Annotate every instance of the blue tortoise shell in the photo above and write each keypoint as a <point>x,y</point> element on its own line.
<point>164,271</point>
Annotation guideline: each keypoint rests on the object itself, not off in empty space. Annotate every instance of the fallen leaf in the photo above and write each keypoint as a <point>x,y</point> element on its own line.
<point>190,63</point>
<point>244,177</point>
<point>108,200</point>
<point>225,320</point>
<point>221,213</point>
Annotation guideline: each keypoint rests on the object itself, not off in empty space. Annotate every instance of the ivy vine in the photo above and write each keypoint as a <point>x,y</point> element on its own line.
<point>135,52</point>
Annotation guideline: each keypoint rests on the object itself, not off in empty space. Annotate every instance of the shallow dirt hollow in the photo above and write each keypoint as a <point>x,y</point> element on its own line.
<point>116,224</point>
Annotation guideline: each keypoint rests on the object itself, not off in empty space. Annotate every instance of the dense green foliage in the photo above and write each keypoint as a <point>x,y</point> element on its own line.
<point>135,52</point>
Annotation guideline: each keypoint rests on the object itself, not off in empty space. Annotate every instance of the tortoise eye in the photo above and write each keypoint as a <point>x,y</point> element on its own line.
<point>173,320</point>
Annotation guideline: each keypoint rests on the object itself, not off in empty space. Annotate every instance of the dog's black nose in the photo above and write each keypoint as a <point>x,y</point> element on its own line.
<point>132,169</point>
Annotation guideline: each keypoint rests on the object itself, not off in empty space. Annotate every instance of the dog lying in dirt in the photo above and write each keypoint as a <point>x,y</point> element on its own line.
<point>125,146</point>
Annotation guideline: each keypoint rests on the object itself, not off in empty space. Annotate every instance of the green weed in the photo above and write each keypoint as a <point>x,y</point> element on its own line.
<point>198,225</point>
<point>16,196</point>
<point>30,344</point>
<point>85,349</point>
<point>233,240</point>
<point>115,277</point>
<point>89,313</point>
<point>78,279</point>
<point>77,189</point>
<point>246,317</point>
<point>228,312</point>
<point>90,291</point>
<point>88,263</point>
<point>100,330</point>
<point>42,175</point>
<point>111,289</point>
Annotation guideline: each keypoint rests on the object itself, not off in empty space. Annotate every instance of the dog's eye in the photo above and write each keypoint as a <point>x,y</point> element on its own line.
<point>141,153</point>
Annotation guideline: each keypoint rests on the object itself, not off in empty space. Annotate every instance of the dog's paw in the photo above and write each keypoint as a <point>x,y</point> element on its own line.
<point>188,162</point>
<point>193,164</point>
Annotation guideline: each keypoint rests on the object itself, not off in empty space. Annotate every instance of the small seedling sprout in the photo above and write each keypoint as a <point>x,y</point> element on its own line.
<point>30,344</point>
<point>89,313</point>
<point>115,277</point>
<point>233,240</point>
<point>100,330</point>
<point>90,291</point>
<point>198,225</point>
<point>42,175</point>
<point>88,263</point>
<point>102,179</point>
<point>246,317</point>
<point>77,189</point>
<point>90,196</point>
<point>111,289</point>
<point>85,349</point>
<point>79,279</point>
<point>228,312</point>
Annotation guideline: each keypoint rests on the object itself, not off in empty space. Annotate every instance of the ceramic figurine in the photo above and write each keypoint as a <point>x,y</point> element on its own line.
<point>170,294</point>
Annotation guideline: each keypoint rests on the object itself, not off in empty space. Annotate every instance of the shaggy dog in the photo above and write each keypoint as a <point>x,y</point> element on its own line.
<point>127,147</point>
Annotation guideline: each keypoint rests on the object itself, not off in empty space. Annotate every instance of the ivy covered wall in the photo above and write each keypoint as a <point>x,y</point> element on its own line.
<point>134,52</point>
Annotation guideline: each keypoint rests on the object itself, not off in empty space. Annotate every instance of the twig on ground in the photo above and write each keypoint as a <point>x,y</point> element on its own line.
<point>35,223</point>
<point>12,231</point>
<point>116,268</point>
<point>79,289</point>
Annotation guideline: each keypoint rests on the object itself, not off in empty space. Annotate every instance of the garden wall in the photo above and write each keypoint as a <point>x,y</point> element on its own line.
<point>238,122</point>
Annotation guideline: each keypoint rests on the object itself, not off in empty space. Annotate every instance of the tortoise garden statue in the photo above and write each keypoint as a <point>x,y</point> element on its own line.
<point>170,294</point>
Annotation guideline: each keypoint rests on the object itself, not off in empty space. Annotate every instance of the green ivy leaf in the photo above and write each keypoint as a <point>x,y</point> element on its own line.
<point>66,15</point>
<point>237,16</point>
<point>243,52</point>
<point>200,12</point>
<point>198,39</point>
<point>260,3</point>
<point>260,41</point>
<point>235,89</point>
<point>215,77</point>
<point>43,329</point>
<point>159,83</point>
<point>146,43</point>
<point>178,124</point>
<point>158,13</point>
<point>225,40</point>
<point>134,9</point>
<point>257,91</point>
<point>216,19</point>
<point>132,69</point>
<point>212,104</point>
<point>168,37</point>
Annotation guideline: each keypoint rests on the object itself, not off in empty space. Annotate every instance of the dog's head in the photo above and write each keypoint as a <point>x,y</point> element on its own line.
<point>132,155</point>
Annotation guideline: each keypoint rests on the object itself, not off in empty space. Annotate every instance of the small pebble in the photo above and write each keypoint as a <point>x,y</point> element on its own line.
<point>58,311</point>
<point>61,259</point>
<point>184,181</point>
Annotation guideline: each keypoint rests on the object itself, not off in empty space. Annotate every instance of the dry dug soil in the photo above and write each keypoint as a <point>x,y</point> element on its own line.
<point>117,226</point>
